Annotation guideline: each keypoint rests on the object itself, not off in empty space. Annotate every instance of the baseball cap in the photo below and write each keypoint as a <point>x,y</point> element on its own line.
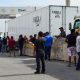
<point>61,28</point>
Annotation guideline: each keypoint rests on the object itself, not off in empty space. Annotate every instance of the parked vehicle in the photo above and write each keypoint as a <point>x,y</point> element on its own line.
<point>49,18</point>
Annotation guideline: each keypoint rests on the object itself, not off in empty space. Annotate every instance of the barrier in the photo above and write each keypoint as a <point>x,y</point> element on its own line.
<point>58,50</point>
<point>29,49</point>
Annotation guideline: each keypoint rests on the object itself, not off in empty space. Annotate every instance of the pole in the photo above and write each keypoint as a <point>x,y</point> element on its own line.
<point>35,8</point>
<point>5,29</point>
<point>67,2</point>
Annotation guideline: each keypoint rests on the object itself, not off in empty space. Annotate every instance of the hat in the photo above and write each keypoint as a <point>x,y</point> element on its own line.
<point>61,28</point>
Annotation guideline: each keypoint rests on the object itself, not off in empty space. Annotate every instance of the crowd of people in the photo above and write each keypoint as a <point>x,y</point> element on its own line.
<point>42,43</point>
<point>42,46</point>
<point>73,46</point>
<point>8,44</point>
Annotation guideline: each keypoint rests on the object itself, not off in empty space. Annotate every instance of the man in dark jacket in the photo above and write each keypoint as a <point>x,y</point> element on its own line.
<point>40,52</point>
<point>71,48</point>
<point>21,42</point>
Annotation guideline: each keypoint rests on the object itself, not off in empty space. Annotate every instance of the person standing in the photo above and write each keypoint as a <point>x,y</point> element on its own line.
<point>24,45</point>
<point>62,34</point>
<point>78,51</point>
<point>31,38</point>
<point>48,44</point>
<point>7,49</point>
<point>34,39</point>
<point>4,46</point>
<point>40,52</point>
<point>71,48</point>
<point>21,43</point>
<point>11,45</point>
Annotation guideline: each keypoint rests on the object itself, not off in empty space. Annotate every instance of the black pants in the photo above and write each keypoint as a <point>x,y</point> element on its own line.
<point>78,64</point>
<point>40,58</point>
<point>47,52</point>
<point>0,47</point>
<point>21,49</point>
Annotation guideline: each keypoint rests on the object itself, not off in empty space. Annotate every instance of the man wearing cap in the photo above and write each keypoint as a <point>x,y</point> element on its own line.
<point>71,47</point>
<point>62,34</point>
<point>40,53</point>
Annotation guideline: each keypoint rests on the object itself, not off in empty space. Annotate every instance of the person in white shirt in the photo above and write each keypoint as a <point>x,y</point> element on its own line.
<point>78,51</point>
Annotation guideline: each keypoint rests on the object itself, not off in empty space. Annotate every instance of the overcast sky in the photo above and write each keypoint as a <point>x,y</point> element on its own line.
<point>29,2</point>
<point>36,2</point>
<point>26,3</point>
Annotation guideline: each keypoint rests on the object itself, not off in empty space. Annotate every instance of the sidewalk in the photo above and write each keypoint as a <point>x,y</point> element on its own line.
<point>23,68</point>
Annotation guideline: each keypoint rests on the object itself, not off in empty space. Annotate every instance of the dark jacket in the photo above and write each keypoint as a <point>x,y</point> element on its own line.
<point>21,42</point>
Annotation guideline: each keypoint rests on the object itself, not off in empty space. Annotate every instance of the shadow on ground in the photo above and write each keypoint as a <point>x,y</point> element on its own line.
<point>57,69</point>
<point>15,75</point>
<point>7,55</point>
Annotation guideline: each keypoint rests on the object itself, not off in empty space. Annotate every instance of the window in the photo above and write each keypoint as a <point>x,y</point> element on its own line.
<point>77,24</point>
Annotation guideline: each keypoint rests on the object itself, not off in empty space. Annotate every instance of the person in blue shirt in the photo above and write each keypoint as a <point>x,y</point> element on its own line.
<point>48,44</point>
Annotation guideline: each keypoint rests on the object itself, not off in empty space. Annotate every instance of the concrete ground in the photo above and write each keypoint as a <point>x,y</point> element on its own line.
<point>23,68</point>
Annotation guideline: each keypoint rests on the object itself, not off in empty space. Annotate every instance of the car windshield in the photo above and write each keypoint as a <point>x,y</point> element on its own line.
<point>77,24</point>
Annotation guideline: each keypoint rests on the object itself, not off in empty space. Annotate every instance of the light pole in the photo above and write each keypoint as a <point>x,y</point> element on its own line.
<point>5,29</point>
<point>67,2</point>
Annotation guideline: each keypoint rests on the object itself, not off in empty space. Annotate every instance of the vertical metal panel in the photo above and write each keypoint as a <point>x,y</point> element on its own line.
<point>56,19</point>
<point>67,2</point>
<point>64,17</point>
<point>49,20</point>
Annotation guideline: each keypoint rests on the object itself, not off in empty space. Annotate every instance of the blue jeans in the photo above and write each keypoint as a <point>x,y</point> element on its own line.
<point>47,52</point>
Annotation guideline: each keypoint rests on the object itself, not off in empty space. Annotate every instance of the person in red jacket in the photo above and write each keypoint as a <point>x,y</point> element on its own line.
<point>11,45</point>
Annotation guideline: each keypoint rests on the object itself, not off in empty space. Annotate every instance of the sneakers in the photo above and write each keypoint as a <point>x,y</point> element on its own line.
<point>37,72</point>
<point>42,72</point>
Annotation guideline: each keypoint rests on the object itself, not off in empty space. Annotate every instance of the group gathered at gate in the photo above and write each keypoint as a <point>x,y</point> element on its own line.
<point>43,44</point>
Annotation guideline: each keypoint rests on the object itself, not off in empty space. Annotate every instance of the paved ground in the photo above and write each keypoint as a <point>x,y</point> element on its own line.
<point>22,68</point>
